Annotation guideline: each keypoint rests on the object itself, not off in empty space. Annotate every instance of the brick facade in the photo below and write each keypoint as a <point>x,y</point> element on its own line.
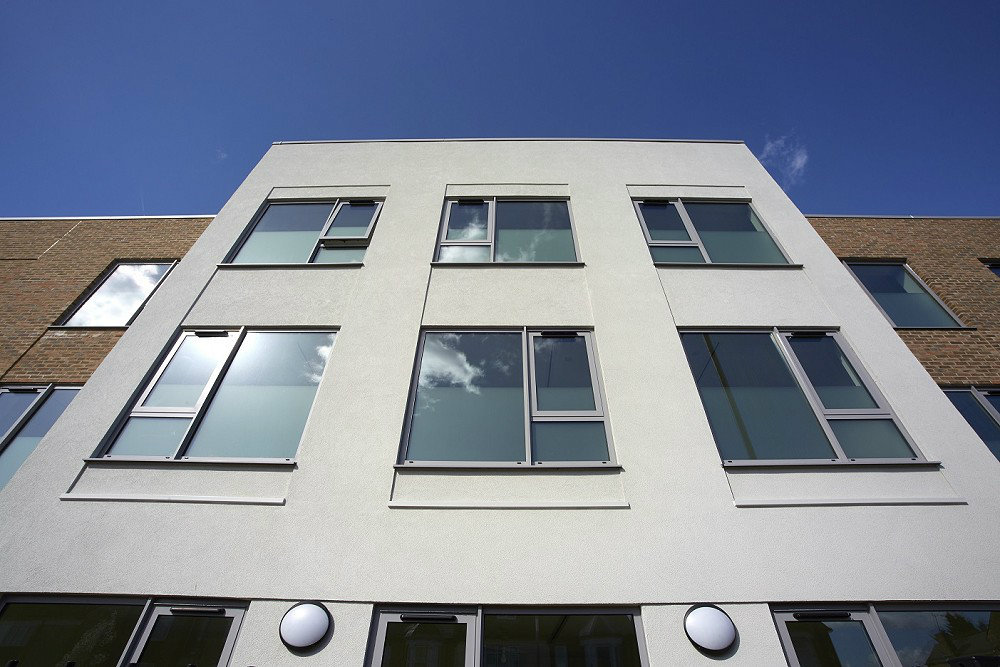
<point>45,265</point>
<point>947,254</point>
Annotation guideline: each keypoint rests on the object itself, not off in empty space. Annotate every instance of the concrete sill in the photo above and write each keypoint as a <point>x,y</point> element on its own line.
<point>723,265</point>
<point>832,464</point>
<point>63,327</point>
<point>327,265</point>
<point>506,467</point>
<point>962,328</point>
<point>495,265</point>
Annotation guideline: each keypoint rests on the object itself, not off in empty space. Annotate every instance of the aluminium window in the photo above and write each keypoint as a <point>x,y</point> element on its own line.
<point>336,231</point>
<point>905,300</point>
<point>226,394</point>
<point>994,267</point>
<point>506,398</point>
<point>981,408</point>
<point>506,230</point>
<point>704,231</point>
<point>792,397</point>
<point>26,415</point>
<point>118,295</point>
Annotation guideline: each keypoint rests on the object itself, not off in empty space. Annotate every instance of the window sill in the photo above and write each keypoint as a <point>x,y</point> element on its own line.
<point>958,328</point>
<point>723,265</point>
<point>190,461</point>
<point>546,265</point>
<point>506,467</point>
<point>64,327</point>
<point>830,464</point>
<point>326,265</point>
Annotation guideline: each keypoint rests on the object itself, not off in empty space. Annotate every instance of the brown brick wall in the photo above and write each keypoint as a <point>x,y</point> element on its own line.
<point>946,254</point>
<point>45,265</point>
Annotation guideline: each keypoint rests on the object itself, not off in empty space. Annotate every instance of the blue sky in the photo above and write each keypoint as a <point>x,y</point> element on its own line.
<point>157,108</point>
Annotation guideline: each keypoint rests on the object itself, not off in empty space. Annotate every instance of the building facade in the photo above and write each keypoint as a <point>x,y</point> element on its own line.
<point>513,402</point>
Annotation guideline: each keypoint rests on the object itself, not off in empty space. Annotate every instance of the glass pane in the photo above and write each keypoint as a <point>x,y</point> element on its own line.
<point>424,645</point>
<point>562,374</point>
<point>468,221</point>
<point>12,406</point>
<point>285,234</point>
<point>352,219</point>
<point>557,641</point>
<point>830,373</point>
<point>116,300</point>
<point>469,404</point>
<point>264,399</point>
<point>995,268</point>
<point>687,254</point>
<point>346,255</point>
<point>832,644</point>
<point>150,436</point>
<point>569,441</point>
<point>663,221</point>
<point>183,381</point>
<point>185,640</point>
<point>754,406</point>
<point>464,253</point>
<point>534,231</point>
<point>94,635</point>
<point>903,298</point>
<point>33,430</point>
<point>979,419</point>
<point>943,638</point>
<point>732,232</point>
<point>870,439</point>
<point>994,400</point>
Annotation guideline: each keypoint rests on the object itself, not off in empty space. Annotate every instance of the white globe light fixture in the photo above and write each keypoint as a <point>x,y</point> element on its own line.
<point>304,625</point>
<point>709,628</point>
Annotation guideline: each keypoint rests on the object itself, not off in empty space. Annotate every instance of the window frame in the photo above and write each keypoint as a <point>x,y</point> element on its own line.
<point>780,336</point>
<point>913,274</point>
<point>980,394</point>
<point>42,394</point>
<point>490,240</point>
<point>92,289</point>
<point>531,414</point>
<point>156,609</point>
<point>322,240</point>
<point>696,242</point>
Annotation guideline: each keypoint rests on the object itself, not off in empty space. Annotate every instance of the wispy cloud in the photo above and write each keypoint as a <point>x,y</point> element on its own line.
<point>786,157</point>
<point>220,155</point>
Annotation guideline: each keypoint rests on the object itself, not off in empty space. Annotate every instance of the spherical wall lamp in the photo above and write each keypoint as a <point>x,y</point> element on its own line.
<point>304,625</point>
<point>709,628</point>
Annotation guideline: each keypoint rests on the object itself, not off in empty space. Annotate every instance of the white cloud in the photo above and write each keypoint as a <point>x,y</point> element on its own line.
<point>786,157</point>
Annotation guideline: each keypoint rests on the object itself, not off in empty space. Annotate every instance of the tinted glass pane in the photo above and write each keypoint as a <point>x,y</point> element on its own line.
<point>939,638</point>
<point>569,441</point>
<point>830,373</point>
<point>870,438</point>
<point>24,442</point>
<point>150,436</point>
<point>832,644</point>
<point>732,232</point>
<point>464,253</point>
<point>562,374</point>
<point>994,400</point>
<point>12,406</point>
<point>663,222</point>
<point>285,234</point>
<point>424,645</point>
<point>188,371</point>
<point>534,231</point>
<point>264,399</point>
<point>676,253</point>
<point>557,641</point>
<point>903,298</point>
<point>754,406</point>
<point>349,255</point>
<point>352,219</point>
<point>91,635</point>
<point>116,300</point>
<point>185,640</point>
<point>469,404</point>
<point>468,221</point>
<point>979,419</point>
<point>995,268</point>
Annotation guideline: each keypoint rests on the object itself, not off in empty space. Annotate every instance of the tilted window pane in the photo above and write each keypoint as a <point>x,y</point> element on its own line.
<point>830,372</point>
<point>262,403</point>
<point>938,638</point>
<point>94,635</point>
<point>663,222</point>
<point>832,644</point>
<point>469,403</point>
<point>994,400</point>
<point>352,219</point>
<point>464,253</point>
<point>185,640</point>
<point>569,441</point>
<point>904,299</point>
<point>286,233</point>
<point>732,232</point>
<point>150,436</point>
<point>189,370</point>
<point>424,645</point>
<point>676,253</point>
<point>533,231</point>
<point>119,296</point>
<point>12,406</point>
<point>754,406</point>
<point>346,255</point>
<point>870,439</point>
<point>995,268</point>
<point>979,419</point>
<point>468,221</point>
<point>14,454</point>
<point>546,639</point>
<point>562,374</point>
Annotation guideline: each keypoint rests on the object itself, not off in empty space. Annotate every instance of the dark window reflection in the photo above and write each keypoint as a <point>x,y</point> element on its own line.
<point>192,641</point>
<point>832,644</point>
<point>904,299</point>
<point>939,638</point>
<point>559,641</point>
<point>424,645</point>
<point>663,221</point>
<point>732,232</point>
<point>979,419</point>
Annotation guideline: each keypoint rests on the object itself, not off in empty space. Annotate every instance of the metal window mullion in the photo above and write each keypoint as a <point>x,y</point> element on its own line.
<point>40,397</point>
<point>642,220</point>
<point>879,637</point>
<point>159,282</point>
<point>323,232</point>
<point>933,295</point>
<point>692,232</point>
<point>491,227</point>
<point>133,638</point>
<point>159,371</point>
<point>990,410</point>
<point>528,370</point>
